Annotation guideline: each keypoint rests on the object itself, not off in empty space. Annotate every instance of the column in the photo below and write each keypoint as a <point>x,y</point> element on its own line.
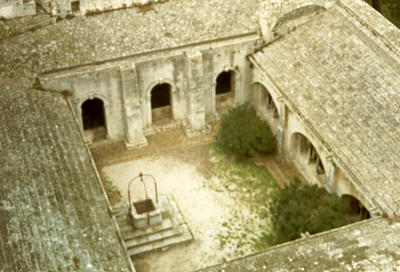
<point>134,137</point>
<point>330,174</point>
<point>195,93</point>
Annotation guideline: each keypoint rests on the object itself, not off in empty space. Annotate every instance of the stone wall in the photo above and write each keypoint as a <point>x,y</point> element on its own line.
<point>11,9</point>
<point>125,86</point>
<point>64,7</point>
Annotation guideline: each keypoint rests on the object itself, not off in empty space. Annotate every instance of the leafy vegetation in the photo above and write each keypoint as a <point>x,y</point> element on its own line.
<point>250,184</point>
<point>298,209</point>
<point>388,8</point>
<point>113,193</point>
<point>244,134</point>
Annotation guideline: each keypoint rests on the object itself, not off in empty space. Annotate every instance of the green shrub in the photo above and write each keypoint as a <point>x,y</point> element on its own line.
<point>297,209</point>
<point>243,133</point>
<point>113,193</point>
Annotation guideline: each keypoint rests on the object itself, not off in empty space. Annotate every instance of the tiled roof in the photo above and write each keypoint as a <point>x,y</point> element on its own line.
<point>53,214</point>
<point>346,86</point>
<point>371,245</point>
<point>84,40</point>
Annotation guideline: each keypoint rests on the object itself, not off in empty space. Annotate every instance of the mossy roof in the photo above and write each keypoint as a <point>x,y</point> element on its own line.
<point>371,245</point>
<point>88,39</point>
<point>53,214</point>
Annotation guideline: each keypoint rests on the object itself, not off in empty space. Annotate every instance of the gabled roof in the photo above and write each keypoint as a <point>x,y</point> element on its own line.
<point>53,214</point>
<point>345,83</point>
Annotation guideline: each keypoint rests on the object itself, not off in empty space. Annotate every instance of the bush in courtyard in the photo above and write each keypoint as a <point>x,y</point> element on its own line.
<point>113,193</point>
<point>297,209</point>
<point>243,133</point>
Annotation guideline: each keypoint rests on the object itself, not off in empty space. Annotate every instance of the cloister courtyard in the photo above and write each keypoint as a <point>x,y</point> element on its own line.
<point>222,200</point>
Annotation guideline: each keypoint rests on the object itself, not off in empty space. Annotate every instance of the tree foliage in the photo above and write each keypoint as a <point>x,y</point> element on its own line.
<point>388,8</point>
<point>298,209</point>
<point>243,133</point>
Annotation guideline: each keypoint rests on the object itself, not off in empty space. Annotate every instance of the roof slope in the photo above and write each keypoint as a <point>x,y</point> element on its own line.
<point>53,214</point>
<point>346,86</point>
<point>84,40</point>
<point>371,245</point>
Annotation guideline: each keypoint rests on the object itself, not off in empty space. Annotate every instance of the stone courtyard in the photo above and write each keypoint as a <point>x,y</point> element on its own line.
<point>145,80</point>
<point>222,216</point>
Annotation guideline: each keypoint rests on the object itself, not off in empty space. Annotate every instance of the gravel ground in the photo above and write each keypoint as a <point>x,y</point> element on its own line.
<point>217,214</point>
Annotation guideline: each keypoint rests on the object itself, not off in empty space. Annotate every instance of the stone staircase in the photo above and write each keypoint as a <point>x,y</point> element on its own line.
<point>172,231</point>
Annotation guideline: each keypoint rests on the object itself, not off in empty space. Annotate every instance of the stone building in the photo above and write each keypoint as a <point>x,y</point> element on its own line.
<point>17,8</point>
<point>324,74</point>
<point>82,7</point>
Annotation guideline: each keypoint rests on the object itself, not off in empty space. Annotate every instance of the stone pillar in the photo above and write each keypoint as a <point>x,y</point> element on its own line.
<point>330,174</point>
<point>134,137</point>
<point>195,93</point>
<point>282,125</point>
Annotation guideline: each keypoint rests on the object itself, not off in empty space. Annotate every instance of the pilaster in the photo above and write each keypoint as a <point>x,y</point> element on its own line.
<point>134,137</point>
<point>195,93</point>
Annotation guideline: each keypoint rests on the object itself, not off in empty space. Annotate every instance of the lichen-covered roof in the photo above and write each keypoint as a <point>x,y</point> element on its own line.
<point>345,84</point>
<point>83,40</point>
<point>53,214</point>
<point>372,245</point>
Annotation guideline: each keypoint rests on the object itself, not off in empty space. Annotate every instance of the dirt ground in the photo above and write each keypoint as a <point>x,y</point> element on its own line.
<point>207,205</point>
<point>223,215</point>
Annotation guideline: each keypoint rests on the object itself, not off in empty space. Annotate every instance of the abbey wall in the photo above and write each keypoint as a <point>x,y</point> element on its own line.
<point>187,81</point>
<point>125,86</point>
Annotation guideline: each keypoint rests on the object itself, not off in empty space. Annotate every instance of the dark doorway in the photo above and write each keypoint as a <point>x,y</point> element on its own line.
<point>161,102</point>
<point>93,114</point>
<point>225,83</point>
<point>358,211</point>
<point>75,6</point>
<point>160,96</point>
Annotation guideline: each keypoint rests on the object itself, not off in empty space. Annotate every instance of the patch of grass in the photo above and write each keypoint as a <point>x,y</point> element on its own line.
<point>113,193</point>
<point>252,186</point>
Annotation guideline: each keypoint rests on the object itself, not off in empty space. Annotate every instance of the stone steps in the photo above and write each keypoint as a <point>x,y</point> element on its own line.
<point>165,225</point>
<point>163,244</point>
<point>172,230</point>
<point>151,238</point>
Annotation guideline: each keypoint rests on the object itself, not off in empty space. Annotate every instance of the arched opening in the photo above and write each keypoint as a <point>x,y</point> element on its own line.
<point>225,89</point>
<point>293,18</point>
<point>225,82</point>
<point>75,6</point>
<point>264,102</point>
<point>358,210</point>
<point>307,156</point>
<point>93,119</point>
<point>161,109</point>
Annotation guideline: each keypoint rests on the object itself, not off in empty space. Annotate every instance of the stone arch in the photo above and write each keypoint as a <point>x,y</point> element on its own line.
<point>225,82</point>
<point>284,12</point>
<point>295,15</point>
<point>92,113</point>
<point>307,157</point>
<point>226,85</point>
<point>359,211</point>
<point>160,101</point>
<point>264,102</point>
